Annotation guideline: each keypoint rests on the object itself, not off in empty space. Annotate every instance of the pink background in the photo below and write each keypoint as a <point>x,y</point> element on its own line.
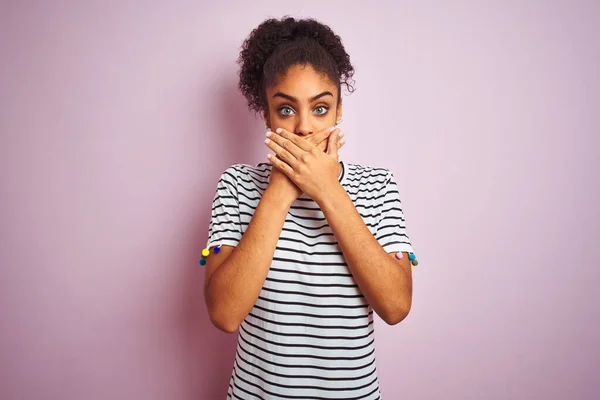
<point>118,117</point>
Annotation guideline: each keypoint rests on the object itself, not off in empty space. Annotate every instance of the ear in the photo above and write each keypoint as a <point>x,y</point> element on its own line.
<point>338,115</point>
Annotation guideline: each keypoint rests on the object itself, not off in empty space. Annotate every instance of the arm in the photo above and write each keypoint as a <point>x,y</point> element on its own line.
<point>385,281</point>
<point>235,276</point>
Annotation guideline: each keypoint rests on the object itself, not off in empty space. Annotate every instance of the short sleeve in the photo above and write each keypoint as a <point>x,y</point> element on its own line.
<point>225,226</point>
<point>391,229</point>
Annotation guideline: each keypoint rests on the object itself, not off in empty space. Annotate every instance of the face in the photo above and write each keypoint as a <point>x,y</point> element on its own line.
<point>304,101</point>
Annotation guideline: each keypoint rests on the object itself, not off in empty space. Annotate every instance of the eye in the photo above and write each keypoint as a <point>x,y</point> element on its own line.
<point>286,111</point>
<point>321,110</point>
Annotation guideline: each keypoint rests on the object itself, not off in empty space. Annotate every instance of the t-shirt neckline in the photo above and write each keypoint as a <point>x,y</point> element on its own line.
<point>342,176</point>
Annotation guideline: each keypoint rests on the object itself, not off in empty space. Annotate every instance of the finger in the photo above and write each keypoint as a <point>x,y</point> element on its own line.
<point>294,139</point>
<point>339,141</point>
<point>282,153</point>
<point>331,141</point>
<point>325,143</point>
<point>280,165</point>
<point>323,135</point>
<point>332,147</point>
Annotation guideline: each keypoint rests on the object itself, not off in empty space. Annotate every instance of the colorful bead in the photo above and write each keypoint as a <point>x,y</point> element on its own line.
<point>205,253</point>
<point>412,256</point>
<point>399,255</point>
<point>217,249</point>
<point>203,261</point>
<point>414,262</point>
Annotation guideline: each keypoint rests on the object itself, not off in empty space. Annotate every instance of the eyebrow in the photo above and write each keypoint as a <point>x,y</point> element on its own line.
<point>293,99</point>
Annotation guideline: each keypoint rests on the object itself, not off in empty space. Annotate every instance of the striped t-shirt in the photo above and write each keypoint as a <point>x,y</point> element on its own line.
<point>310,333</point>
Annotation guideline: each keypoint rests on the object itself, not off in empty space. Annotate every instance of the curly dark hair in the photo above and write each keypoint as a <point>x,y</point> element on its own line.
<point>275,45</point>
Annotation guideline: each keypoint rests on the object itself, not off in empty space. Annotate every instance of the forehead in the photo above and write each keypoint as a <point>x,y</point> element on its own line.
<point>302,82</point>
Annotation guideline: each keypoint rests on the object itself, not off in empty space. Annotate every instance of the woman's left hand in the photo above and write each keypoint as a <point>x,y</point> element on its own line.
<point>314,171</point>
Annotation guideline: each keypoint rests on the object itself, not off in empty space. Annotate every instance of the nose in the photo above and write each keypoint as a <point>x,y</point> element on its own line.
<point>304,126</point>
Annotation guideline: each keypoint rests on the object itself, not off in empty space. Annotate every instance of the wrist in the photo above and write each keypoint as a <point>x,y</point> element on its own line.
<point>331,198</point>
<point>278,199</point>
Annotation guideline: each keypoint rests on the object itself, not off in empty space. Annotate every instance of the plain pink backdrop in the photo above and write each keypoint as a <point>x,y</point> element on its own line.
<point>117,118</point>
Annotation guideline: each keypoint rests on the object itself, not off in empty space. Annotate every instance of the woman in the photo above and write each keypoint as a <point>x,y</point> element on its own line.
<point>307,246</point>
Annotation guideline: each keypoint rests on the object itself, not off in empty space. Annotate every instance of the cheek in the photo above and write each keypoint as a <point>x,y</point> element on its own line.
<point>278,121</point>
<point>325,121</point>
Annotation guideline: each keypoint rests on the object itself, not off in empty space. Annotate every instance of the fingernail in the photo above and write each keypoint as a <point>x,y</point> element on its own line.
<point>343,141</point>
<point>269,133</point>
<point>333,128</point>
<point>341,134</point>
<point>267,141</point>
<point>279,130</point>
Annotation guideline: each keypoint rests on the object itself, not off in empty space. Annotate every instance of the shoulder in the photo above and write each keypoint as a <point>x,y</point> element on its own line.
<point>247,173</point>
<point>372,184</point>
<point>261,168</point>
<point>367,174</point>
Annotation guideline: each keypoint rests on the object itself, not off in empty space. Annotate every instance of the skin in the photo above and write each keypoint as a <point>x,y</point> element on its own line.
<point>305,160</point>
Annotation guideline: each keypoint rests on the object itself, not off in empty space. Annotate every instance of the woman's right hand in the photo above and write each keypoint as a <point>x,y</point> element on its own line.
<point>282,185</point>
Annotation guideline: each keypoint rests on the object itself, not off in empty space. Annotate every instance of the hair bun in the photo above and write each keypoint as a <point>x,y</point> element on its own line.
<point>270,34</point>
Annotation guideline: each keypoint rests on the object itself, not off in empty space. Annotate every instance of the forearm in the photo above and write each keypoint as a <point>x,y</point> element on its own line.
<point>236,284</point>
<point>385,284</point>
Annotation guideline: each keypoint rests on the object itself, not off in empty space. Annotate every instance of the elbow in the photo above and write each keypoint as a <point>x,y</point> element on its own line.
<point>222,319</point>
<point>227,328</point>
<point>224,324</point>
<point>220,315</point>
<point>397,314</point>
